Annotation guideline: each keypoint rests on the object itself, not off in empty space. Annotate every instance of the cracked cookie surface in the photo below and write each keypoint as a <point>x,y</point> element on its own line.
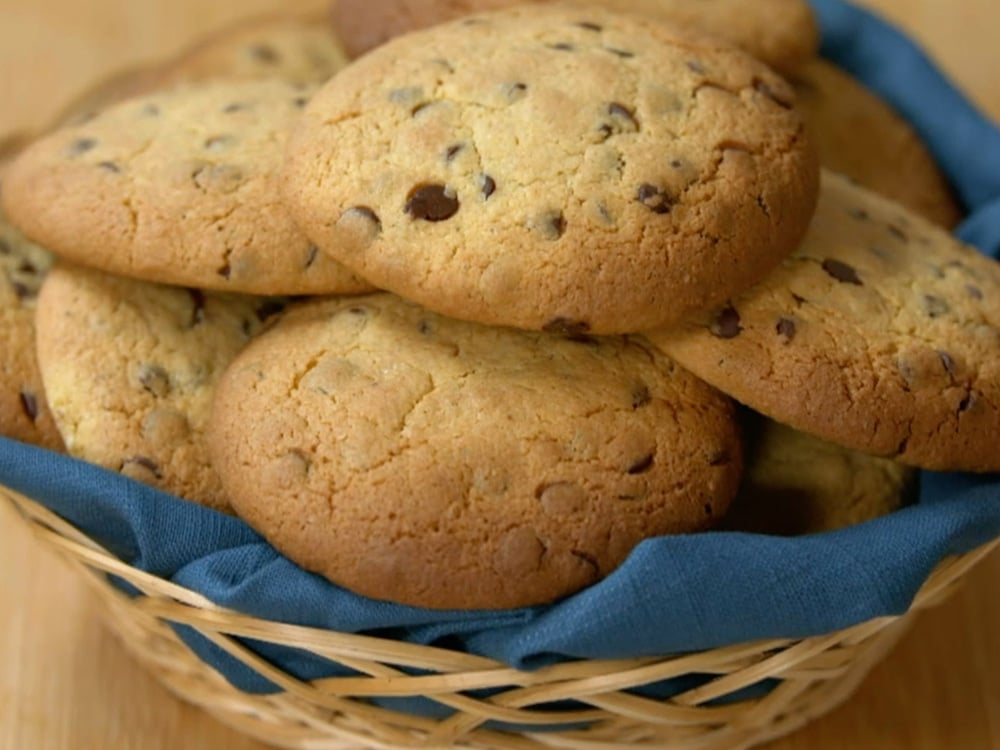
<point>781,33</point>
<point>130,368</point>
<point>880,333</point>
<point>794,483</point>
<point>859,135</point>
<point>439,463</point>
<point>176,187</point>
<point>550,168</point>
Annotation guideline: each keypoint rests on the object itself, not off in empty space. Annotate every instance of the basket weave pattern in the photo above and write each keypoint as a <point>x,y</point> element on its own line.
<point>815,674</point>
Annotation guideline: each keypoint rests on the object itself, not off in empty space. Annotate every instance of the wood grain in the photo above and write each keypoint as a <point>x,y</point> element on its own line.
<point>67,684</point>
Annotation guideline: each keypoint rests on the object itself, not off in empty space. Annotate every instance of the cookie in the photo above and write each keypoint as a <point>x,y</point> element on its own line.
<point>859,135</point>
<point>438,463</point>
<point>782,33</point>
<point>297,49</point>
<point>177,187</point>
<point>881,333</point>
<point>130,368</point>
<point>24,411</point>
<point>796,484</point>
<point>546,168</point>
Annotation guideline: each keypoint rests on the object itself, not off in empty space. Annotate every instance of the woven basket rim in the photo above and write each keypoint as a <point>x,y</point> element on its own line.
<point>606,712</point>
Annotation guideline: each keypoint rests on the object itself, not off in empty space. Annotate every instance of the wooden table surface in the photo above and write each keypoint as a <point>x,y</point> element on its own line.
<point>65,682</point>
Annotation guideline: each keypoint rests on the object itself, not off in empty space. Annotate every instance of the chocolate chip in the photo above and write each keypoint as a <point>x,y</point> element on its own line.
<point>589,26</point>
<point>766,90</point>
<point>620,52</point>
<point>143,461</point>
<point>514,91</point>
<point>219,143</point>
<point>708,509</point>
<point>311,255</point>
<point>622,121</point>
<point>641,466</point>
<point>974,291</point>
<point>653,198</point>
<point>935,307</point>
<point>896,232</point>
<point>696,67</point>
<point>720,458</point>
<point>966,403</point>
<point>567,326</point>
<point>551,225</point>
<point>452,151</point>
<point>300,102</point>
<point>431,202</point>
<point>726,324</point>
<point>29,405</point>
<point>424,326</point>
<point>605,214</point>
<point>197,306</point>
<point>154,379</point>
<point>225,271</point>
<point>109,166</point>
<point>676,163</point>
<point>562,46</point>
<point>264,54</point>
<point>21,291</point>
<point>80,146</point>
<point>947,363</point>
<point>841,272</point>
<point>640,395</point>
<point>488,186</point>
<point>786,328</point>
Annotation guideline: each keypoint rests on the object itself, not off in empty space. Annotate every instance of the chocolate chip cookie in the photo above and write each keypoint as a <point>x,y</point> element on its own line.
<point>550,168</point>
<point>796,484</point>
<point>24,412</point>
<point>881,333</point>
<point>176,187</point>
<point>782,33</point>
<point>439,463</point>
<point>859,135</point>
<point>130,368</point>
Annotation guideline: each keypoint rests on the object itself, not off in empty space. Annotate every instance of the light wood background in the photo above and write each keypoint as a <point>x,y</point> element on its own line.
<point>66,684</point>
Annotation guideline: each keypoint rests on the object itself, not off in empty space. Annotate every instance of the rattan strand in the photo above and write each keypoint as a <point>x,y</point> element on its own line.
<point>816,674</point>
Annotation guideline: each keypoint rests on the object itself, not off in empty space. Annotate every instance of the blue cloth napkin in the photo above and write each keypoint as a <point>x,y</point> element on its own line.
<point>673,594</point>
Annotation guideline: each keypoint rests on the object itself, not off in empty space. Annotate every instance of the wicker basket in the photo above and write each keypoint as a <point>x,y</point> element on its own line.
<point>815,674</point>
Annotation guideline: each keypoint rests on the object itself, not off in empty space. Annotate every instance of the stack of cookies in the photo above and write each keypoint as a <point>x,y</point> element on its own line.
<point>458,323</point>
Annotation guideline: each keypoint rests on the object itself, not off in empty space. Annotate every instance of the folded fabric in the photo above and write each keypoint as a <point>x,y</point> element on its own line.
<point>673,594</point>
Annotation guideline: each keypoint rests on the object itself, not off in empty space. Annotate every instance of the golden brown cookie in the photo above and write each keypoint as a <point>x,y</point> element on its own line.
<point>298,49</point>
<point>24,411</point>
<point>795,484</point>
<point>439,463</point>
<point>782,33</point>
<point>551,168</point>
<point>859,135</point>
<point>177,187</point>
<point>881,333</point>
<point>130,369</point>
